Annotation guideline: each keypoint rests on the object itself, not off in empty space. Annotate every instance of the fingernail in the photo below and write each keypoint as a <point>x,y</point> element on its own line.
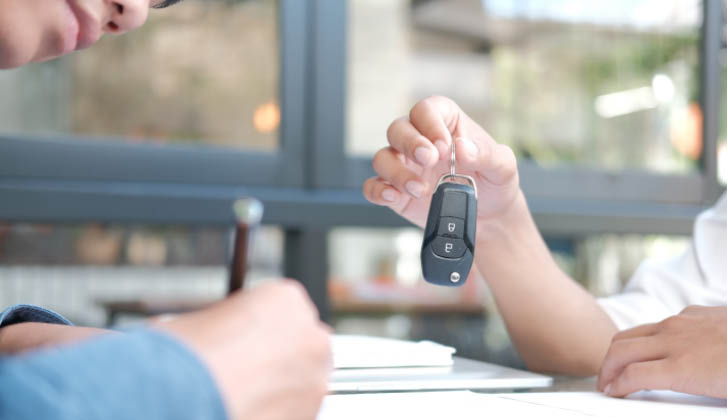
<point>442,147</point>
<point>415,188</point>
<point>422,155</point>
<point>469,147</point>
<point>389,195</point>
<point>607,389</point>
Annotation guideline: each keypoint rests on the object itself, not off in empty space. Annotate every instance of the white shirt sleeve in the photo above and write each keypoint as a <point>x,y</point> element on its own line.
<point>661,289</point>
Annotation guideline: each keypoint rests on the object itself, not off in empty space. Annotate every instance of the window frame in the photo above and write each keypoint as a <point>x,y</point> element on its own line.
<point>81,167</point>
<point>117,181</point>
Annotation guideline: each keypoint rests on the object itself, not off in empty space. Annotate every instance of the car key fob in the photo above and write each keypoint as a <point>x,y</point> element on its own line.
<point>449,236</point>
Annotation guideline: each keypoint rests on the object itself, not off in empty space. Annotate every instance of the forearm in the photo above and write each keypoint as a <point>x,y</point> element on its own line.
<point>556,325</point>
<point>142,374</point>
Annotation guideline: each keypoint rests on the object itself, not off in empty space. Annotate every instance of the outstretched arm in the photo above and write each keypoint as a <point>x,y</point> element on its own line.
<point>555,324</point>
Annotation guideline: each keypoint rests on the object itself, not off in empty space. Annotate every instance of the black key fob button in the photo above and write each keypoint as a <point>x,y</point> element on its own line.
<point>448,247</point>
<point>454,204</point>
<point>451,227</point>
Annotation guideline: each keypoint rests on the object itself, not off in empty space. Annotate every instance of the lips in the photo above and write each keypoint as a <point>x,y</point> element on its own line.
<point>89,29</point>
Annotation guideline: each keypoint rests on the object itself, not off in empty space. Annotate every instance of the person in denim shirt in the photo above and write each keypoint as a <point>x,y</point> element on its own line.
<point>260,354</point>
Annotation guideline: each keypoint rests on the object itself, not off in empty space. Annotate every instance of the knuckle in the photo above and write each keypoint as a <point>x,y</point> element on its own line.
<point>671,323</point>
<point>692,309</point>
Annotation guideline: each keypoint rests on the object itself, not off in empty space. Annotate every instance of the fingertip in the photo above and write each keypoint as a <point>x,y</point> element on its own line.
<point>415,188</point>
<point>425,156</point>
<point>390,195</point>
<point>607,390</point>
<point>599,383</point>
<point>367,189</point>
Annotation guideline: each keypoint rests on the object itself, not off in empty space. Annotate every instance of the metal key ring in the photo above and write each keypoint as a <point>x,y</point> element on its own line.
<point>453,173</point>
<point>452,161</point>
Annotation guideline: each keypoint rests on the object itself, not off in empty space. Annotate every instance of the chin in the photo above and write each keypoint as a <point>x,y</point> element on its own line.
<point>35,30</point>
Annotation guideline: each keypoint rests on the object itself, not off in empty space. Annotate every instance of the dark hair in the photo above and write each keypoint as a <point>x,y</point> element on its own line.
<point>166,3</point>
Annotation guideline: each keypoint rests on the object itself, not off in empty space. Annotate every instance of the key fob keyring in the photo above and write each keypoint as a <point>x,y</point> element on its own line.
<point>448,247</point>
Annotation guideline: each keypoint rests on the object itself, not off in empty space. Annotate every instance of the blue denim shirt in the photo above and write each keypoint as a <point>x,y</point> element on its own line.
<point>141,374</point>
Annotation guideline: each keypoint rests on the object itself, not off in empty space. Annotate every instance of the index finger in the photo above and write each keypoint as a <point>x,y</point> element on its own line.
<point>625,352</point>
<point>436,118</point>
<point>654,374</point>
<point>406,139</point>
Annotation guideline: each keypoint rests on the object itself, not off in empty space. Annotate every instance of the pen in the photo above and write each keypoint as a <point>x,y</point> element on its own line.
<point>248,214</point>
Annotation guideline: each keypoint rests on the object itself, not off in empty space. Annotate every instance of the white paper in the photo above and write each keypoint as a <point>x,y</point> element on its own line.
<point>644,405</point>
<point>453,405</point>
<point>466,405</point>
<point>358,351</point>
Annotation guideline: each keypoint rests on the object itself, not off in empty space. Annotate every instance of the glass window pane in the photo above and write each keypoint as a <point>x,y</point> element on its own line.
<point>79,270</point>
<point>608,84</point>
<point>198,72</point>
<point>722,161</point>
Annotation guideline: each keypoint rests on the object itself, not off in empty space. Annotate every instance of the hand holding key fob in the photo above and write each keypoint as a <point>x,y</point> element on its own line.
<point>449,236</point>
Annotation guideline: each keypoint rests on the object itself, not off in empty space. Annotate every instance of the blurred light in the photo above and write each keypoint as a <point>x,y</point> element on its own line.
<point>266,118</point>
<point>722,163</point>
<point>146,249</point>
<point>663,88</point>
<point>686,131</point>
<point>629,101</point>
<point>625,102</point>
<point>98,246</point>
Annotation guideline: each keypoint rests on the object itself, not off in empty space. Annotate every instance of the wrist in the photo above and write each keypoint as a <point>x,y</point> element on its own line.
<point>505,223</point>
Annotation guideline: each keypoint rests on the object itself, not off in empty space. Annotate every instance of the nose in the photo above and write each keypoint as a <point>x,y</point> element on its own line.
<point>126,15</point>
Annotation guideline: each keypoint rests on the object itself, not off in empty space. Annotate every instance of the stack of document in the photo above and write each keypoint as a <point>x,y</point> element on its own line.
<point>362,352</point>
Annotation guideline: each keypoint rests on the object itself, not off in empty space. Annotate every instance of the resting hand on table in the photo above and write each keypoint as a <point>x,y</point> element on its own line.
<point>419,154</point>
<point>684,353</point>
<point>267,350</point>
